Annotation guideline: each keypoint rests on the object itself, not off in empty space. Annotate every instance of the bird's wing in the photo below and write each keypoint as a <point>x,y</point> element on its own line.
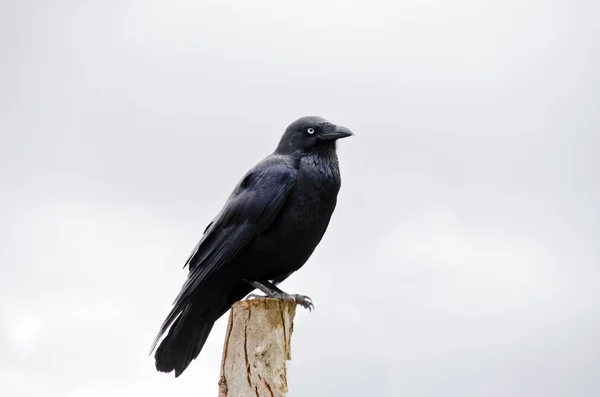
<point>249,211</point>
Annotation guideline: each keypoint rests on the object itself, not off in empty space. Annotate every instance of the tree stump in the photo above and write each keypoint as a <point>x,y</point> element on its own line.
<point>257,346</point>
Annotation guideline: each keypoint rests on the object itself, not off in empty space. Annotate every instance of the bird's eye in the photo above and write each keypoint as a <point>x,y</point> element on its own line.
<point>310,130</point>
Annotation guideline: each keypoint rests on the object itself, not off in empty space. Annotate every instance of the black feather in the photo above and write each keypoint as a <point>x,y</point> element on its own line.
<point>268,228</point>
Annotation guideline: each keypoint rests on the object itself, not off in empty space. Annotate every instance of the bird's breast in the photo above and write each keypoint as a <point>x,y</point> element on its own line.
<point>305,216</point>
<point>301,223</point>
<point>317,186</point>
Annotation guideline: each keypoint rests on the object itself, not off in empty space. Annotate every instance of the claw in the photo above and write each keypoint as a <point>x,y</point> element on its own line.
<point>302,300</point>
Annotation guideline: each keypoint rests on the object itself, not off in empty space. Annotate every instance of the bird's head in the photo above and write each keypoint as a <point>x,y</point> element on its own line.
<point>310,133</point>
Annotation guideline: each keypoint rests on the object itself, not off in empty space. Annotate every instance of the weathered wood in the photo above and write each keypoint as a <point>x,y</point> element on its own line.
<point>257,346</point>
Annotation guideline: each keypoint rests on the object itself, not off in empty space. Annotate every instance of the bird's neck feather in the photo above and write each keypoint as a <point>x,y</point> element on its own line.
<point>324,160</point>
<point>324,152</point>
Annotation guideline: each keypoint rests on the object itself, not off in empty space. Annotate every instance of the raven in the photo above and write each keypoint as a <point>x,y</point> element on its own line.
<point>269,227</point>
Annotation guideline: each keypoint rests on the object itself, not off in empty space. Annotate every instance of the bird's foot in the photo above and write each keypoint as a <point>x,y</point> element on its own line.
<point>271,291</point>
<point>301,300</point>
<point>304,301</point>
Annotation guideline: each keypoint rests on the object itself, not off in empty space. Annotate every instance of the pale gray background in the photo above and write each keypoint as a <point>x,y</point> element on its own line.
<point>463,257</point>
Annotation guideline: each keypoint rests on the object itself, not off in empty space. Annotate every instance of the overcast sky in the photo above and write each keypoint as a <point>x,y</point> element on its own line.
<point>463,258</point>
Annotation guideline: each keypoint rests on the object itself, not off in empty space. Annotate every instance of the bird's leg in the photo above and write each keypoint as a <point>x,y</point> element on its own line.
<point>271,291</point>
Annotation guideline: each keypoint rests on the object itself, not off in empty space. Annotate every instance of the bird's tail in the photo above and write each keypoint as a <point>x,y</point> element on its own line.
<point>185,339</point>
<point>190,328</point>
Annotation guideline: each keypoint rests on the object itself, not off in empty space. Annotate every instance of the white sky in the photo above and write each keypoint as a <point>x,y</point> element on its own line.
<point>462,260</point>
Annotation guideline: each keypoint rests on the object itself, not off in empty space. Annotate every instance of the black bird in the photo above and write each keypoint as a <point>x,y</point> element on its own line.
<point>268,228</point>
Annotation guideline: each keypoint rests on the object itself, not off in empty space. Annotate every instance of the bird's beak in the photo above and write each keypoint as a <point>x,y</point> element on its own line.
<point>334,133</point>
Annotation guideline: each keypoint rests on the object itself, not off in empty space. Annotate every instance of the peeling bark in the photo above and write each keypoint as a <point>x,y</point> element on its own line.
<point>257,346</point>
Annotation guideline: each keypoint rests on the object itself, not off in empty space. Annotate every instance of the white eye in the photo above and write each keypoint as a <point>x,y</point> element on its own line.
<point>310,130</point>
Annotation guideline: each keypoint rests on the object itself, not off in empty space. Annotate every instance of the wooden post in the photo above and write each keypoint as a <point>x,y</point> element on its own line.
<point>257,345</point>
